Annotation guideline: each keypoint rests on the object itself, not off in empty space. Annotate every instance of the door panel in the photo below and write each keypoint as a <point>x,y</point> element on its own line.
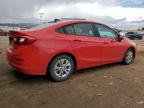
<point>88,50</point>
<point>112,49</point>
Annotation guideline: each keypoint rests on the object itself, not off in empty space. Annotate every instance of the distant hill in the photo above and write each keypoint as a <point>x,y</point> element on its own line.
<point>21,25</point>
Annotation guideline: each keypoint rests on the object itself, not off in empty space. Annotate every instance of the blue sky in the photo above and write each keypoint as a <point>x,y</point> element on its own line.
<point>132,3</point>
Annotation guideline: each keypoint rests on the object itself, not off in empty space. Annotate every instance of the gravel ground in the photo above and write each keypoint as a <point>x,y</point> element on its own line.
<point>109,86</point>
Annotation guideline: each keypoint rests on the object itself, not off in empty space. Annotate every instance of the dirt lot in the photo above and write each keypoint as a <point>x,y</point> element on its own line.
<point>111,86</point>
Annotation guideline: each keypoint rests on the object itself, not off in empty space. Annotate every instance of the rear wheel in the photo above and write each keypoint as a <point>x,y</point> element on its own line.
<point>61,68</point>
<point>129,56</point>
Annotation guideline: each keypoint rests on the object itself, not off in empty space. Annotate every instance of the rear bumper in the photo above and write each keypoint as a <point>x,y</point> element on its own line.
<point>24,64</point>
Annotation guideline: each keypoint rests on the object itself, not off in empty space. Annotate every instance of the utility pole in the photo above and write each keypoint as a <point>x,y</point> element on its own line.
<point>41,16</point>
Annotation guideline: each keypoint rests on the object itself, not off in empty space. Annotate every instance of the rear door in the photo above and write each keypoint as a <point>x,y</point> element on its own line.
<point>86,45</point>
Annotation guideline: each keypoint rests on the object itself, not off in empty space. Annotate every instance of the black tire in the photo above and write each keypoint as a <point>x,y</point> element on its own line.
<point>127,61</point>
<point>57,68</point>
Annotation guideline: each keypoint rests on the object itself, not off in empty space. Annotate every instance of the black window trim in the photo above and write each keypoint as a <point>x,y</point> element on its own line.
<point>85,23</point>
<point>94,28</point>
<point>75,32</point>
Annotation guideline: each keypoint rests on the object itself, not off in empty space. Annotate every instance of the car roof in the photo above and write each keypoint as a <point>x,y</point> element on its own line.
<point>60,23</point>
<point>75,21</point>
<point>68,22</point>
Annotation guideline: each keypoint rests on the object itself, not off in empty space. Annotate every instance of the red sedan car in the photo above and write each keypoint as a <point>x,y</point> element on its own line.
<point>60,48</point>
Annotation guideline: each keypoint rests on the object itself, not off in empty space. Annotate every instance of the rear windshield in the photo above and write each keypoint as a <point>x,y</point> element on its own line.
<point>42,26</point>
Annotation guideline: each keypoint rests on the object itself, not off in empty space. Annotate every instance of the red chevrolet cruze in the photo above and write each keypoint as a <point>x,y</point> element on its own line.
<point>60,48</point>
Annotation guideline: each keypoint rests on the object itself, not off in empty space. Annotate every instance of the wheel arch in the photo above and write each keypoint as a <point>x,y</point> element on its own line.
<point>134,50</point>
<point>63,53</point>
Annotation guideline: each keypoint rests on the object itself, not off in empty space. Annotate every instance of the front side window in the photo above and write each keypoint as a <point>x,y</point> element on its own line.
<point>83,29</point>
<point>105,32</point>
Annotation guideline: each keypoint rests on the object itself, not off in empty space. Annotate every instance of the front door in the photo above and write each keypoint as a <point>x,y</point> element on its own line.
<point>112,48</point>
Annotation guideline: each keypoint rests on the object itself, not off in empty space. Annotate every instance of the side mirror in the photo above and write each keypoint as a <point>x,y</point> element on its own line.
<point>120,37</point>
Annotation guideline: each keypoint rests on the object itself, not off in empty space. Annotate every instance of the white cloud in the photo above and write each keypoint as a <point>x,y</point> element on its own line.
<point>92,9</point>
<point>114,12</point>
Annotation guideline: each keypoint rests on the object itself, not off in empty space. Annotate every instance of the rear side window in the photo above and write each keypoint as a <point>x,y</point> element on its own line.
<point>80,29</point>
<point>83,29</point>
<point>60,30</point>
<point>69,30</point>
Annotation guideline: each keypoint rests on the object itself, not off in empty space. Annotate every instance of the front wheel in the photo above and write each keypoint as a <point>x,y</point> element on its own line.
<point>128,58</point>
<point>61,68</point>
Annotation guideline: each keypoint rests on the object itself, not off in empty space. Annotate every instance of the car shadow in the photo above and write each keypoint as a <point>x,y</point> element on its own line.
<point>32,78</point>
<point>29,78</point>
<point>96,69</point>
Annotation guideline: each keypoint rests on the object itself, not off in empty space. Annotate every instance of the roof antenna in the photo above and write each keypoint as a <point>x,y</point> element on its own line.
<point>56,20</point>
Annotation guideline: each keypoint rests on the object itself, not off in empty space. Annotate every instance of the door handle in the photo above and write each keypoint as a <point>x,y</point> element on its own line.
<point>77,40</point>
<point>106,42</point>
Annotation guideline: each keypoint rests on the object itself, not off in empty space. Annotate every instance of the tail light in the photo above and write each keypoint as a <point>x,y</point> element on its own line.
<point>22,40</point>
